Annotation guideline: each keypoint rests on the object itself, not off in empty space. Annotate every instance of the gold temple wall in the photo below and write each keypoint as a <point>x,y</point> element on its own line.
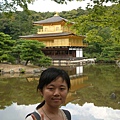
<point>62,42</point>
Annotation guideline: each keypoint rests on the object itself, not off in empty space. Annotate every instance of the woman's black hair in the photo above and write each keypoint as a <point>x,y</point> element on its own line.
<point>49,75</point>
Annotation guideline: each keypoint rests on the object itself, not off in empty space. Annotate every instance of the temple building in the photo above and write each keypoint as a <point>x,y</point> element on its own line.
<point>60,40</point>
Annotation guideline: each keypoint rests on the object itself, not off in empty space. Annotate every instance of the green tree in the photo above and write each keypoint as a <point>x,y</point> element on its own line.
<point>44,61</point>
<point>29,51</point>
<point>102,29</point>
<point>6,44</point>
<point>20,23</point>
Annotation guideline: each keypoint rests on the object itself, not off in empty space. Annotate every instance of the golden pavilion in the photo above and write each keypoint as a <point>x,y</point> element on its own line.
<point>60,40</point>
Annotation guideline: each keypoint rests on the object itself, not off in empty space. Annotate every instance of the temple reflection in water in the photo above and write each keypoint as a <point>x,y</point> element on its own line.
<point>89,95</point>
<point>77,81</point>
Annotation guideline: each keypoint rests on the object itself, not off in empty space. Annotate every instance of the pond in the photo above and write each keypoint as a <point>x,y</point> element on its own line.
<point>94,94</point>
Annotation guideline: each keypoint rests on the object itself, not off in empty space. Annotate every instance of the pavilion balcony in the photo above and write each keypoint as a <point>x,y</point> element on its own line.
<point>67,45</point>
<point>47,31</point>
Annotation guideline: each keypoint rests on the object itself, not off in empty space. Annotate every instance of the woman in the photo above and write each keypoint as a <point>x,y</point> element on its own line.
<point>54,85</point>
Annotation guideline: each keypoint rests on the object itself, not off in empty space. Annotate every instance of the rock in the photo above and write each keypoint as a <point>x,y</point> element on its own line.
<point>113,96</point>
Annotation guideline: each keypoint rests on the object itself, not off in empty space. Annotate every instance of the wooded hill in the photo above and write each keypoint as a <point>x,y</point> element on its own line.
<point>100,25</point>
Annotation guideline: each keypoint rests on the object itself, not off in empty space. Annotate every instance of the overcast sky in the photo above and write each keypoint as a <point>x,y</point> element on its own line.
<point>51,6</point>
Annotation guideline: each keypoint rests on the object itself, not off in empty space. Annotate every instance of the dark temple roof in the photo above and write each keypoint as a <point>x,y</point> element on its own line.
<point>55,18</point>
<point>47,35</point>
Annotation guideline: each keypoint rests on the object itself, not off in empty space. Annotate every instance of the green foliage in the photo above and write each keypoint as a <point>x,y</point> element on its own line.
<point>22,70</point>
<point>93,36</point>
<point>111,52</point>
<point>22,50</point>
<point>100,25</point>
<point>19,23</point>
<point>6,44</point>
<point>102,29</point>
<point>29,51</point>
<point>45,61</point>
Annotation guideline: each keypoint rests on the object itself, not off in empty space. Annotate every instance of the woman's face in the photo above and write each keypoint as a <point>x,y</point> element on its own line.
<point>55,93</point>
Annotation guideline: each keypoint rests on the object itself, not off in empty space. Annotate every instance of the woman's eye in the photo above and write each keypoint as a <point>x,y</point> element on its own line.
<point>50,88</point>
<point>62,88</point>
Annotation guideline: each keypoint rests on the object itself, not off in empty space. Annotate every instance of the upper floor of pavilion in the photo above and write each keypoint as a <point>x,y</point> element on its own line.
<point>55,24</point>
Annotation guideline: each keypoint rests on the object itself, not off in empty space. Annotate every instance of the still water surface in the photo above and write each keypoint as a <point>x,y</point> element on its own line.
<point>88,99</point>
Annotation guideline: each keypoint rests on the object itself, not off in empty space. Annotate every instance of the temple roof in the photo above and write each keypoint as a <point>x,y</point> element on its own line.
<point>50,35</point>
<point>47,35</point>
<point>54,19</point>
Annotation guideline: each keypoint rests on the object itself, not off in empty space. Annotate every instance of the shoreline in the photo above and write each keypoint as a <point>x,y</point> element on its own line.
<point>10,70</point>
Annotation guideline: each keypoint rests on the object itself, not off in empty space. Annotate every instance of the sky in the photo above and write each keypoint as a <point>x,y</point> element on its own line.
<point>51,6</point>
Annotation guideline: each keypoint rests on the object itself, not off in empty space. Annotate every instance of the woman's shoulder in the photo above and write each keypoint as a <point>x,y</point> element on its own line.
<point>67,114</point>
<point>29,118</point>
<point>35,113</point>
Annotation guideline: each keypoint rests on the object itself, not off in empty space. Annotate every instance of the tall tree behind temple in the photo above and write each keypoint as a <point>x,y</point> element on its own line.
<point>102,29</point>
<point>15,25</point>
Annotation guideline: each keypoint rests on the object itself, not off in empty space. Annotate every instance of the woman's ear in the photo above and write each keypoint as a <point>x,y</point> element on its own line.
<point>41,92</point>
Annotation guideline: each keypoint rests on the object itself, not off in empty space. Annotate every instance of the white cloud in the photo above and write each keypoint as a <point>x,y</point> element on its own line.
<point>86,112</point>
<point>91,112</point>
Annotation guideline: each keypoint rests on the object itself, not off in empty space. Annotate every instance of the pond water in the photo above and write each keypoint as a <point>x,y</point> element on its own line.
<point>94,94</point>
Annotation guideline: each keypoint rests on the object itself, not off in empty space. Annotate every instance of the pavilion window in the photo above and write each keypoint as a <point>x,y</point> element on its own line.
<point>45,29</point>
<point>57,28</point>
<point>70,52</point>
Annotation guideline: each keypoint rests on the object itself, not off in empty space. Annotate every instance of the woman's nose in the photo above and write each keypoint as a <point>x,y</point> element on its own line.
<point>56,92</point>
